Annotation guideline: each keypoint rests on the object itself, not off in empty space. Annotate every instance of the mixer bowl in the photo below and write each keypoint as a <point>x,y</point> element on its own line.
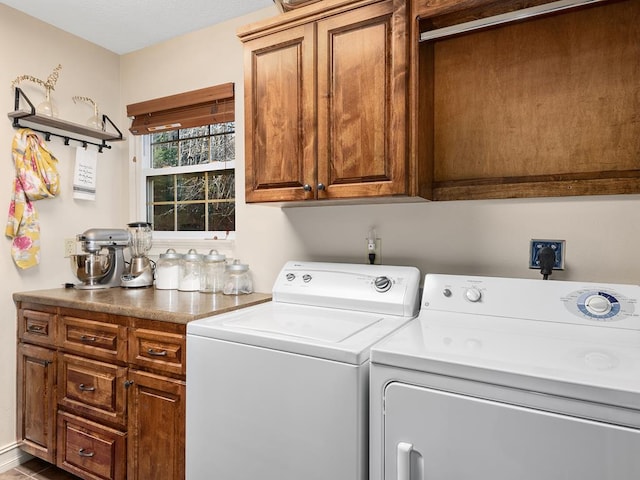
<point>89,268</point>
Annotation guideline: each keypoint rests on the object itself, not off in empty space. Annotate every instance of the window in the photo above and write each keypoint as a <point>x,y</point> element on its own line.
<point>188,163</point>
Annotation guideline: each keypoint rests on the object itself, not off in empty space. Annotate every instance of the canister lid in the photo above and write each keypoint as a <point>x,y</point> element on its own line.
<point>192,256</point>
<point>171,254</point>
<point>214,256</point>
<point>238,267</point>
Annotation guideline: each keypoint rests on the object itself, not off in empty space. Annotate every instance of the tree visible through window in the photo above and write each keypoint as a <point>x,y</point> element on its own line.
<point>188,200</point>
<point>188,168</point>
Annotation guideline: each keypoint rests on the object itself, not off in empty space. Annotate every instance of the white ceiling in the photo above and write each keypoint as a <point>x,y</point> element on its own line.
<point>123,26</point>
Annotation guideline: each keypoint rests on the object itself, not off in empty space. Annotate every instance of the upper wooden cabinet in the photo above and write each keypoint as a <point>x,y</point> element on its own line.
<point>545,106</point>
<point>325,103</point>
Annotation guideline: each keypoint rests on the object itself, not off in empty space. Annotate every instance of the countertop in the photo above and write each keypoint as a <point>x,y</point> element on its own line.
<point>150,303</point>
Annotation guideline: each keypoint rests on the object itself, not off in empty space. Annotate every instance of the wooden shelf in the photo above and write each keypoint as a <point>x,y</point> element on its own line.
<point>66,126</point>
<point>31,116</point>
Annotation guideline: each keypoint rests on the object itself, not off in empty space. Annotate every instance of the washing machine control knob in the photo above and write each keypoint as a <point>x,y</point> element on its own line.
<point>291,277</point>
<point>473,294</point>
<point>382,284</point>
<point>306,278</point>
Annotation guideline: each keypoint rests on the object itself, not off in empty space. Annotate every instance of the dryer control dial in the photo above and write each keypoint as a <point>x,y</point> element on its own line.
<point>599,304</point>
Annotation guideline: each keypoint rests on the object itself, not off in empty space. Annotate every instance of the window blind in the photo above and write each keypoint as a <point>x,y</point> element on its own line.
<point>184,110</point>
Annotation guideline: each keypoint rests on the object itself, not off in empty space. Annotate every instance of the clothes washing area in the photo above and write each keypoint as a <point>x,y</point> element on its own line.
<point>509,379</point>
<point>279,391</point>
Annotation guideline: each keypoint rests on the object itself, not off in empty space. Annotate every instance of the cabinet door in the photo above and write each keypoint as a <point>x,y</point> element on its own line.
<point>362,102</point>
<point>36,401</point>
<point>156,427</point>
<point>280,115</point>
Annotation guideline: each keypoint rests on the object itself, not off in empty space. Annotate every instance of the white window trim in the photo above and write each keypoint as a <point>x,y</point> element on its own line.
<point>140,149</point>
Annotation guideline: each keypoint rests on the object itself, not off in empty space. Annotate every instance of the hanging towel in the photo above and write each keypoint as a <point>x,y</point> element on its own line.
<point>84,174</point>
<point>36,178</point>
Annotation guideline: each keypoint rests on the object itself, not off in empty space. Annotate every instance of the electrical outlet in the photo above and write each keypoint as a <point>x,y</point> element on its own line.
<point>558,246</point>
<point>374,245</point>
<point>69,247</point>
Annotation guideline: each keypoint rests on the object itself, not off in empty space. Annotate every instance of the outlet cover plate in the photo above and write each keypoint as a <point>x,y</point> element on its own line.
<point>557,246</point>
<point>69,247</point>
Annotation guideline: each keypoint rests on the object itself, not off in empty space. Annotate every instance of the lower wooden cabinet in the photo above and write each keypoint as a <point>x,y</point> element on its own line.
<point>156,407</point>
<point>102,396</point>
<point>36,426</point>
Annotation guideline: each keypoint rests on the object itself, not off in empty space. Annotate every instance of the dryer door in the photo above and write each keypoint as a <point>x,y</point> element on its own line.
<point>431,434</point>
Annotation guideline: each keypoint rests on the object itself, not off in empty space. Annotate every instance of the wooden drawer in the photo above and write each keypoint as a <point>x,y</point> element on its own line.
<point>103,340</point>
<point>92,388</point>
<point>90,450</point>
<point>160,351</point>
<point>36,326</point>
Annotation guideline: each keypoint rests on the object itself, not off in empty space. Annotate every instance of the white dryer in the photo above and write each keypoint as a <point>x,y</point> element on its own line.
<point>510,379</point>
<point>279,391</point>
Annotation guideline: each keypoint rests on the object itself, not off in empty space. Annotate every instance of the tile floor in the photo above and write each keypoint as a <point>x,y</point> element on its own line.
<point>37,469</point>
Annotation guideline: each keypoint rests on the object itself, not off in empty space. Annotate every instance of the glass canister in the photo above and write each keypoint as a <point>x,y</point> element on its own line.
<point>237,279</point>
<point>190,271</point>
<point>212,277</point>
<point>168,270</point>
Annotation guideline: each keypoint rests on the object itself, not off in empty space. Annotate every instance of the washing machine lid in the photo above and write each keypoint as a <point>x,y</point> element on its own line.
<point>332,334</point>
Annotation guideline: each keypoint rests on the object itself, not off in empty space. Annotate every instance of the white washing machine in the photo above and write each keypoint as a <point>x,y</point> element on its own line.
<point>510,379</point>
<point>279,391</point>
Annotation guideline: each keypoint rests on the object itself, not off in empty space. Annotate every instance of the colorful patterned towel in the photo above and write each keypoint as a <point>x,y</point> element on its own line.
<point>36,178</point>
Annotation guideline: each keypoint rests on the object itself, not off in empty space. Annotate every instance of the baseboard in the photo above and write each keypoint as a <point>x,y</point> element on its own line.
<point>11,456</point>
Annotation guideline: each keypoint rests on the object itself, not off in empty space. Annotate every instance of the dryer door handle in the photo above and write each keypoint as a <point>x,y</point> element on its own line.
<point>404,461</point>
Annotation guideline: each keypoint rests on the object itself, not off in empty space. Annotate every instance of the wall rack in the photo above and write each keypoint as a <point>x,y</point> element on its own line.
<point>31,116</point>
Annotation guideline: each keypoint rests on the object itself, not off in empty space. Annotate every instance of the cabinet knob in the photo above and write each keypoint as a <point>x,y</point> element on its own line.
<point>307,187</point>
<point>128,383</point>
<point>321,186</point>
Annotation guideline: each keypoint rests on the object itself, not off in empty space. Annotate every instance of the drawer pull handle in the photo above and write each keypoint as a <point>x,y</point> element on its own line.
<point>87,338</point>
<point>157,353</point>
<point>35,328</point>
<point>83,453</point>
<point>84,388</point>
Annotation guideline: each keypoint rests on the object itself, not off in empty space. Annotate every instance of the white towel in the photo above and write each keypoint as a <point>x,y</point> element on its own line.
<point>84,174</point>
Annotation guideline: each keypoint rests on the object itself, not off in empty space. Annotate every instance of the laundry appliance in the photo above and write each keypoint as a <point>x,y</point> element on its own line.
<point>279,391</point>
<point>510,379</point>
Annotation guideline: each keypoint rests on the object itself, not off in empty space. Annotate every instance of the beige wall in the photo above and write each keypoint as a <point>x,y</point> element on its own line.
<point>28,46</point>
<point>475,237</point>
<point>481,237</point>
